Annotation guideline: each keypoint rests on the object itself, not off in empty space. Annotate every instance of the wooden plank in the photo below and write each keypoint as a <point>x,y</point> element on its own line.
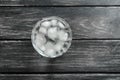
<point>86,22</point>
<point>57,2</point>
<point>83,56</point>
<point>60,76</point>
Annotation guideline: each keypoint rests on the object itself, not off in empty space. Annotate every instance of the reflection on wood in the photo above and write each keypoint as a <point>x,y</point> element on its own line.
<point>83,56</point>
<point>57,2</point>
<point>88,23</point>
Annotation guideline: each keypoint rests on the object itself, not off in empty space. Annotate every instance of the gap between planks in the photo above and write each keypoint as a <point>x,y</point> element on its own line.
<point>72,39</point>
<point>60,73</point>
<point>60,76</point>
<point>61,6</point>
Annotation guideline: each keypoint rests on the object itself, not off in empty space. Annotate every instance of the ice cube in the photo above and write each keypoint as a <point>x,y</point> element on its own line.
<point>43,48</point>
<point>63,35</point>
<point>61,25</point>
<point>52,33</point>
<point>46,24</point>
<point>50,52</point>
<point>59,46</point>
<point>54,22</point>
<point>43,30</point>
<point>40,40</point>
<point>49,45</point>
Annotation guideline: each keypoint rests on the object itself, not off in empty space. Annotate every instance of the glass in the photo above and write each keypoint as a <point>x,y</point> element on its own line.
<point>51,37</point>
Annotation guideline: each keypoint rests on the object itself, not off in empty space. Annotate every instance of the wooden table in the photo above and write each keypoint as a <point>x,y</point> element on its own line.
<point>93,55</point>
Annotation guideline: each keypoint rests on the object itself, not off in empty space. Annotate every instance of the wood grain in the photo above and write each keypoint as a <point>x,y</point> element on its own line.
<point>57,2</point>
<point>86,22</point>
<point>60,76</point>
<point>83,56</point>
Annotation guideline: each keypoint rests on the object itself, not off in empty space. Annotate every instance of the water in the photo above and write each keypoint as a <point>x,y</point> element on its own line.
<point>51,37</point>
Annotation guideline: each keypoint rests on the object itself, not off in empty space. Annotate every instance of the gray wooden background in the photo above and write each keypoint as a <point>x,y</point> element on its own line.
<point>93,55</point>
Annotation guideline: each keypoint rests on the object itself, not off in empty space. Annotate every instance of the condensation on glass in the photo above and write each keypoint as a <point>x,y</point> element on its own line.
<point>51,37</point>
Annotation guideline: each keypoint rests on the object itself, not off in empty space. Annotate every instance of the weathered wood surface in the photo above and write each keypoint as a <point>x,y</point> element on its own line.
<point>60,76</point>
<point>86,22</point>
<point>57,2</point>
<point>83,56</point>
